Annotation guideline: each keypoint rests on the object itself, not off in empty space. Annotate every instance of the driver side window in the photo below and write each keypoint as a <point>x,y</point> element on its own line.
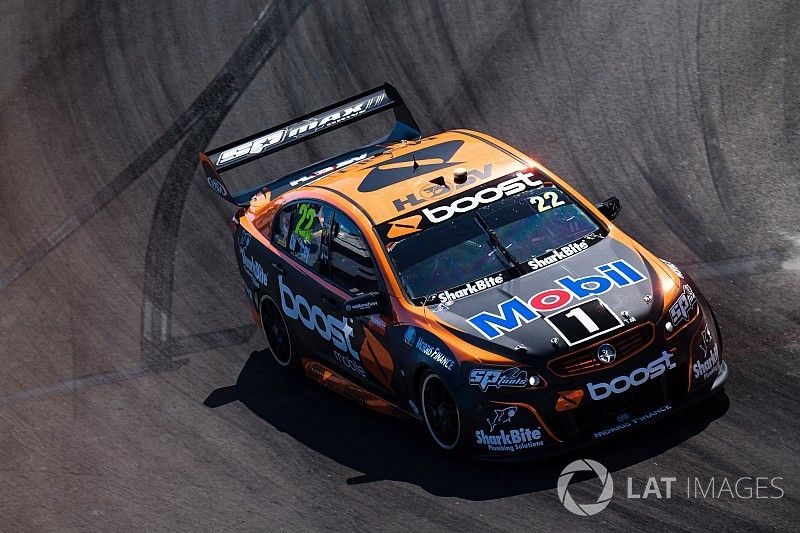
<point>301,229</point>
<point>351,263</point>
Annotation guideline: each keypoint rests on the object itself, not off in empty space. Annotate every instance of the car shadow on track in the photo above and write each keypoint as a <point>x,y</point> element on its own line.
<point>387,448</point>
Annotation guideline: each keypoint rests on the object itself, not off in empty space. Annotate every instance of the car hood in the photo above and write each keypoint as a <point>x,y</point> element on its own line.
<point>630,299</point>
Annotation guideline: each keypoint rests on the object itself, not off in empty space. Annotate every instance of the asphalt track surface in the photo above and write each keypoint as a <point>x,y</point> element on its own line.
<point>133,395</point>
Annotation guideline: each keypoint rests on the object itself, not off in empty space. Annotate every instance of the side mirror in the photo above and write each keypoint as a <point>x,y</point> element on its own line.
<point>610,208</point>
<point>370,303</point>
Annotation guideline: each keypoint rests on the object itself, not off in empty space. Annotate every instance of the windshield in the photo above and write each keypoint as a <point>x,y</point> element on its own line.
<point>492,243</point>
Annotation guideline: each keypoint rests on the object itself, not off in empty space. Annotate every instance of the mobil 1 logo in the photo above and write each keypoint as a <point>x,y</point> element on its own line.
<point>585,321</point>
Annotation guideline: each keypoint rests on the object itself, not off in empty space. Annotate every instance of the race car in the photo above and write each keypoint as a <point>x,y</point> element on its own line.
<point>455,280</point>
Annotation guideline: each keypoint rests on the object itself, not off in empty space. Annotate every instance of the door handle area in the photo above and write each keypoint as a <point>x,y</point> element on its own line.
<point>279,268</point>
<point>330,303</point>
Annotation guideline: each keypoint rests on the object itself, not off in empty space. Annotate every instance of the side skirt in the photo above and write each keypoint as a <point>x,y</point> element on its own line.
<point>343,386</point>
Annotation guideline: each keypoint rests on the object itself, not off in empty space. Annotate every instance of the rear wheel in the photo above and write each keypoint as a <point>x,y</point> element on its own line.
<point>440,412</point>
<point>277,334</point>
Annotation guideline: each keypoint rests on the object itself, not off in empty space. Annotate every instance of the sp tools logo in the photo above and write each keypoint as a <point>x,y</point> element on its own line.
<point>418,162</point>
<point>585,509</point>
<point>301,129</point>
<point>683,306</point>
<point>486,378</point>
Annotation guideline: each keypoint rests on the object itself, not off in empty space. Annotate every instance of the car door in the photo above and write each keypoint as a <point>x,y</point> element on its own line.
<point>352,269</point>
<point>300,233</point>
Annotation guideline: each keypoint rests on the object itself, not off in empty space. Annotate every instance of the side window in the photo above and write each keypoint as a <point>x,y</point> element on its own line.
<point>351,264</point>
<point>308,224</point>
<point>281,226</point>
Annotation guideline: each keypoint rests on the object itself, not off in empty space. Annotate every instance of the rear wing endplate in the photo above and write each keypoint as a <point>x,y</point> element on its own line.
<point>266,142</point>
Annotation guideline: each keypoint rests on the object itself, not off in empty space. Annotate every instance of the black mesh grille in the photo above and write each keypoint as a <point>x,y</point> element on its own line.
<point>584,361</point>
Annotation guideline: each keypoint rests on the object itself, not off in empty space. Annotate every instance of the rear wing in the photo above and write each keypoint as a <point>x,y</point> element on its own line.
<point>266,142</point>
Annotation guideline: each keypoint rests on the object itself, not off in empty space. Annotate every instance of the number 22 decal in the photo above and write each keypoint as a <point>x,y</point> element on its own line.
<point>541,201</point>
<point>305,221</point>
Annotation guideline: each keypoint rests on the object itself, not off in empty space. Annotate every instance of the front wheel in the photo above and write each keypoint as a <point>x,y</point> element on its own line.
<point>440,413</point>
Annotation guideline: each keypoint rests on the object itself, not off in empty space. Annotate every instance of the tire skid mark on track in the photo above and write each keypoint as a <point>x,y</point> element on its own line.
<point>71,385</point>
<point>197,124</point>
<point>220,94</point>
<point>211,340</point>
<point>269,30</point>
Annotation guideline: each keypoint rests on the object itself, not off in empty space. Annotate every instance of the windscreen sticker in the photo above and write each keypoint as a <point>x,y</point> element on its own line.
<point>520,182</point>
<point>502,187</point>
<point>546,201</point>
<point>539,262</point>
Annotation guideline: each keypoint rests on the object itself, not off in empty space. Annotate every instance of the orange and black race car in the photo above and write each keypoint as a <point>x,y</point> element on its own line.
<point>455,280</point>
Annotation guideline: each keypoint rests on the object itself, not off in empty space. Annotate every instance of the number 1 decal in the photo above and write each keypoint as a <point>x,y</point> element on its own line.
<point>585,321</point>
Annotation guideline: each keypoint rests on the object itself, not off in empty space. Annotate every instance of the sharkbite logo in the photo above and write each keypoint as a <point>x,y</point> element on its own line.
<point>513,313</point>
<point>510,441</point>
<point>253,268</point>
<point>557,255</point>
<point>502,416</point>
<point>709,364</point>
<point>470,288</point>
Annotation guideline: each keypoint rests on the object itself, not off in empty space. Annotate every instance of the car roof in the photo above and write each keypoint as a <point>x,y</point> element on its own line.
<point>411,174</point>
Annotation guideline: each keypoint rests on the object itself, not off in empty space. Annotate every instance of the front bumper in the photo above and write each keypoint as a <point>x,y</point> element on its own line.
<point>524,425</point>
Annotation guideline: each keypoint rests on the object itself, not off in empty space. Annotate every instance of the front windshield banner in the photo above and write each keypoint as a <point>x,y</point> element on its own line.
<point>481,238</point>
<point>451,206</point>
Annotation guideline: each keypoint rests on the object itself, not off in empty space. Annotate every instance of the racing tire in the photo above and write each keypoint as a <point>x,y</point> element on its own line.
<point>440,413</point>
<point>279,339</point>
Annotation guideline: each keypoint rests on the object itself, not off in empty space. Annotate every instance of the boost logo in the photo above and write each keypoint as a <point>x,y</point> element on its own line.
<point>515,185</point>
<point>600,391</point>
<point>328,327</point>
